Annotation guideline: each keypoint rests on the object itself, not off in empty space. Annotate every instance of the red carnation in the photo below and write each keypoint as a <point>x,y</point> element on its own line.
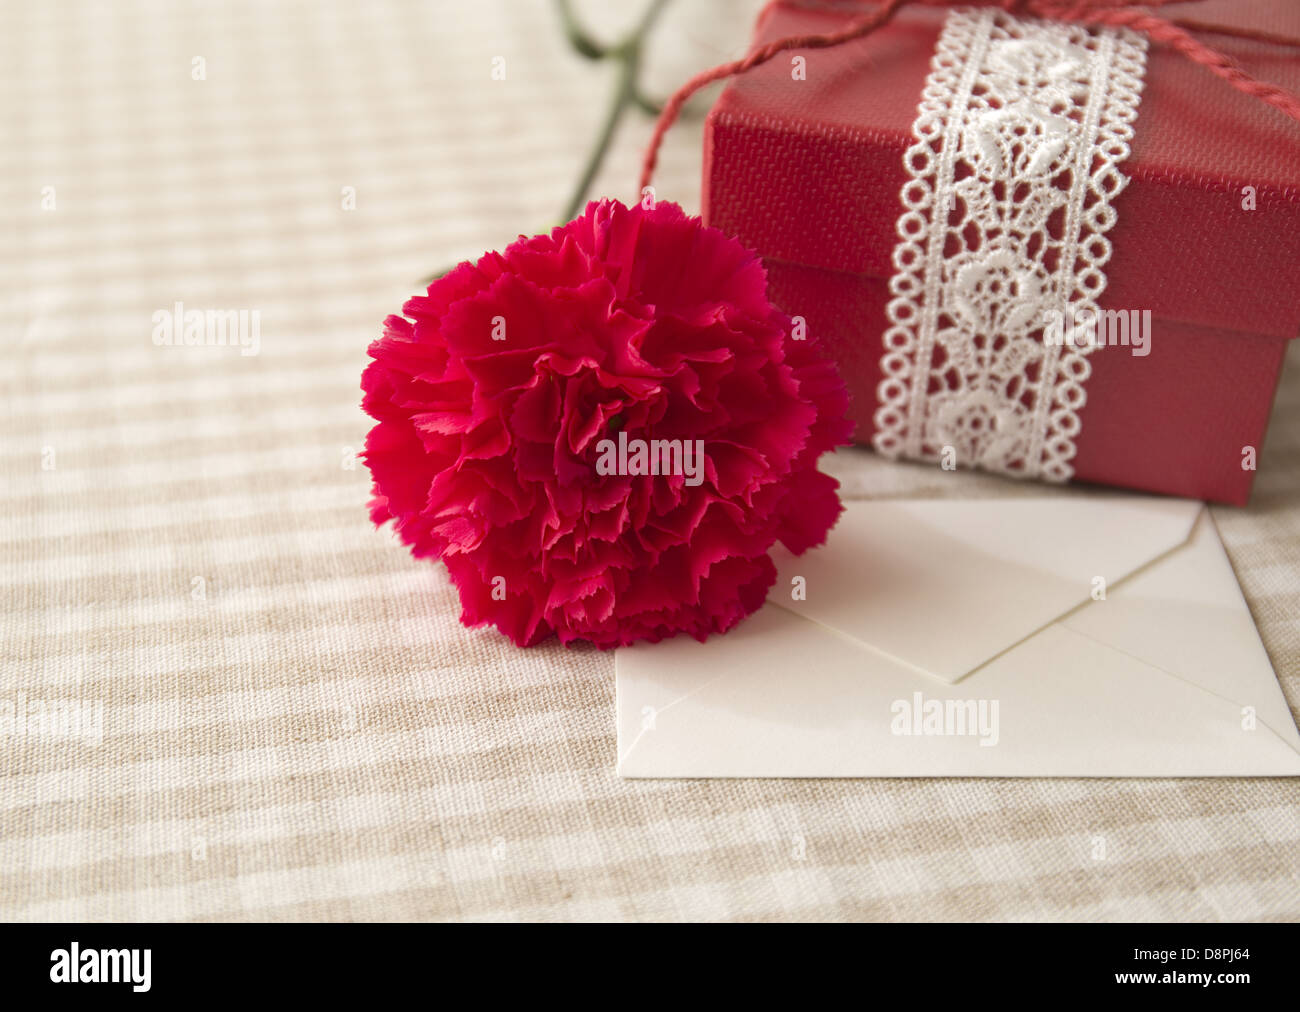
<point>500,398</point>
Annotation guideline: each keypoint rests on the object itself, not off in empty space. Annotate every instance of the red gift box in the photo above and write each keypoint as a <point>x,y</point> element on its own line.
<point>804,163</point>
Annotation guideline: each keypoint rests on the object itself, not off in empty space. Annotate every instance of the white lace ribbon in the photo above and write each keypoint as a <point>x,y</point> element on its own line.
<point>1019,136</point>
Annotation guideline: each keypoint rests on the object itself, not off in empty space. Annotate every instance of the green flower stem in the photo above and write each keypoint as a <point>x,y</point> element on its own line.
<point>578,38</point>
<point>626,93</point>
<point>623,92</point>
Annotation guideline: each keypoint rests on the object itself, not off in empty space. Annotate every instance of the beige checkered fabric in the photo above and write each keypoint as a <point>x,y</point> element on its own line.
<point>294,725</point>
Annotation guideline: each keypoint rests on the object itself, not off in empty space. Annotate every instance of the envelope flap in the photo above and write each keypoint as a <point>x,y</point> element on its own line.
<point>1187,617</point>
<point>945,586</point>
<point>779,696</point>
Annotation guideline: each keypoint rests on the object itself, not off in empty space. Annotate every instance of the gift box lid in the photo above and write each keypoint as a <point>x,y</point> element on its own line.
<point>809,171</point>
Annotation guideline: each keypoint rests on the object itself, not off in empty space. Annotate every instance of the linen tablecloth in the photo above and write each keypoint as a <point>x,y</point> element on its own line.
<point>294,724</point>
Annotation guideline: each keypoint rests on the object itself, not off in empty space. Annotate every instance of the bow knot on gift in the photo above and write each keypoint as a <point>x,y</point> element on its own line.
<point>1177,33</point>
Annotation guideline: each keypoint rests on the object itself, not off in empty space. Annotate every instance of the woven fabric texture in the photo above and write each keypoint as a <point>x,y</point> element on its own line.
<point>293,723</point>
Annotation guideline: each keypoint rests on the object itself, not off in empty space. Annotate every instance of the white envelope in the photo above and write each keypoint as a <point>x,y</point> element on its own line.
<point>1005,638</point>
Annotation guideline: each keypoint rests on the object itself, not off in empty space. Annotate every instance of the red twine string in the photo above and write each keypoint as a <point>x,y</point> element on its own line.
<point>1175,33</point>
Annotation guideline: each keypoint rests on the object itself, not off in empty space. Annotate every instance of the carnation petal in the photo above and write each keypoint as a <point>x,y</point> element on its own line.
<point>500,389</point>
